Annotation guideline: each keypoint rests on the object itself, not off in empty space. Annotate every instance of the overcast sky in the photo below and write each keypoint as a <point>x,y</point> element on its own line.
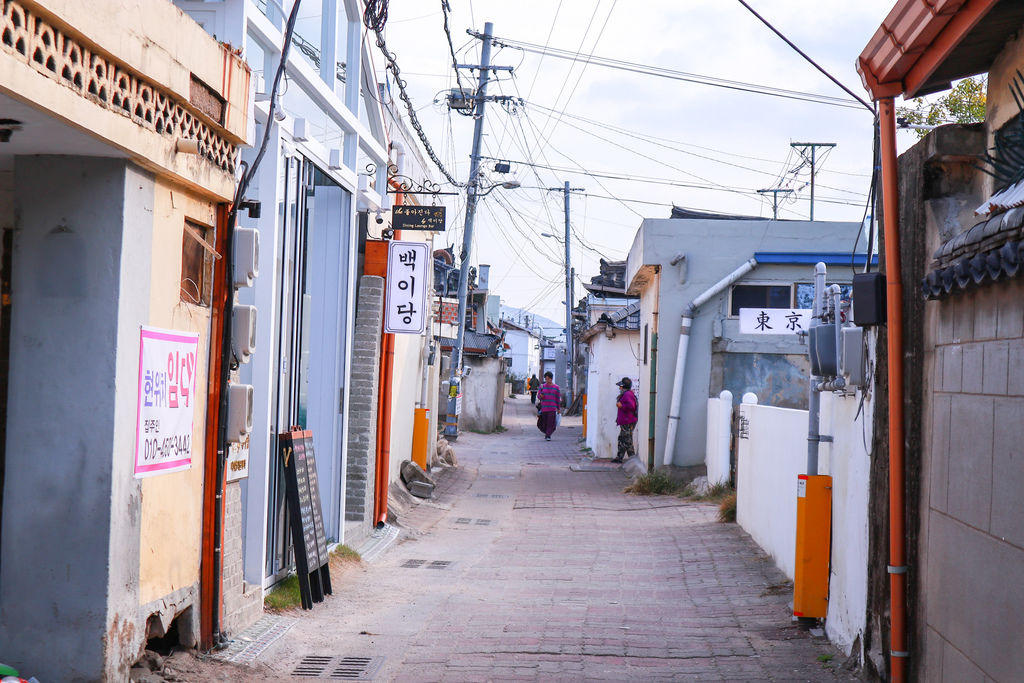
<point>663,135</point>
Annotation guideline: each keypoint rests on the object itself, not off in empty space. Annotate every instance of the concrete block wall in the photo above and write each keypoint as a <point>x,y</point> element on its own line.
<point>973,555</point>
<point>362,408</point>
<point>243,602</point>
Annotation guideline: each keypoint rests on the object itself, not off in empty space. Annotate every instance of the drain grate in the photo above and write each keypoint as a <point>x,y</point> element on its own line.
<point>312,666</point>
<point>413,564</point>
<point>491,495</point>
<point>439,564</point>
<point>484,522</point>
<point>499,476</point>
<point>338,668</point>
<point>463,520</point>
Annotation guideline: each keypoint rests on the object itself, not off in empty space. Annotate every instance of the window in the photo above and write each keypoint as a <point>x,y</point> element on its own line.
<point>803,296</point>
<point>197,255</point>
<point>759,296</point>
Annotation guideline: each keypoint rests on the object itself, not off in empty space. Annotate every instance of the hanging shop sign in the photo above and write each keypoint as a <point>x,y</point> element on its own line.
<point>167,383</point>
<point>305,513</point>
<point>238,460</point>
<point>406,301</point>
<point>429,218</point>
<point>774,320</point>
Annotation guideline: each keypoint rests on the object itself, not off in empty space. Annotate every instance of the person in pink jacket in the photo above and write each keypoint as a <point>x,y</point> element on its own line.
<point>626,419</point>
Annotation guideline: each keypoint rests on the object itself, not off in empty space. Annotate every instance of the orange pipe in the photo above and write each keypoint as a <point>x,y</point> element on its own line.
<point>894,305</point>
<point>210,599</point>
<point>382,469</point>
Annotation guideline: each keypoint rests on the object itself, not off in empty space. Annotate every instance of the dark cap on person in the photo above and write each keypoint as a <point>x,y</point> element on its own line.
<point>625,383</point>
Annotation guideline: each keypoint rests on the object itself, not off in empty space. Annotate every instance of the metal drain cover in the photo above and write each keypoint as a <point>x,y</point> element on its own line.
<point>413,564</point>
<point>463,520</point>
<point>484,522</point>
<point>439,564</point>
<point>339,667</point>
<point>491,495</point>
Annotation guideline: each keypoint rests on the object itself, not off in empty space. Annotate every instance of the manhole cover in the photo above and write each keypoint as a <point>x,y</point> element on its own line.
<point>338,667</point>
<point>413,564</point>
<point>439,564</point>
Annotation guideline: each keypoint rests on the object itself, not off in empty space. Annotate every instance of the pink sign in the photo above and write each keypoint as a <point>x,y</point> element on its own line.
<point>167,388</point>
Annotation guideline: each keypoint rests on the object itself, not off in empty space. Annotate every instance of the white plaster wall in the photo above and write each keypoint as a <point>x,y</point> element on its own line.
<point>525,357</point>
<point>610,361</point>
<point>769,459</point>
<point>718,439</point>
<point>849,464</point>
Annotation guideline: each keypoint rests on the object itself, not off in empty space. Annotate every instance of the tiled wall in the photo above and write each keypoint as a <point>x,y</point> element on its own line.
<point>973,539</point>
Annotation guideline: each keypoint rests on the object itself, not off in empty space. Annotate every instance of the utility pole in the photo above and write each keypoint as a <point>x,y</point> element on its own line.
<point>569,356</point>
<point>775,200</point>
<point>451,427</point>
<point>813,146</point>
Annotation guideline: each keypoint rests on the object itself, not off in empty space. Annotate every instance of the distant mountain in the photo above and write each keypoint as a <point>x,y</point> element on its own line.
<point>550,328</point>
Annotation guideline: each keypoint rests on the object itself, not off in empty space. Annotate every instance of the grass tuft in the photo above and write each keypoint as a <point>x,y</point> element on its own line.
<point>727,508</point>
<point>284,596</point>
<point>346,554</point>
<point>655,483</point>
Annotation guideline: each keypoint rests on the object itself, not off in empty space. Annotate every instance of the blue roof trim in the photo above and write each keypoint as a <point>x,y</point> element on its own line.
<point>828,258</point>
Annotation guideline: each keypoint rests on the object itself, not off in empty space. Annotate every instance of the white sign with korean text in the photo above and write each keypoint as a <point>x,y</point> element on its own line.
<point>167,393</point>
<point>774,320</point>
<point>238,460</point>
<point>405,306</point>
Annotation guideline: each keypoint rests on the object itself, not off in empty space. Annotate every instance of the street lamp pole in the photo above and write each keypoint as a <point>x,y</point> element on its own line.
<point>451,427</point>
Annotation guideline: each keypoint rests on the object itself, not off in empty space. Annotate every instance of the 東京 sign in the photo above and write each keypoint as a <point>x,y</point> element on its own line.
<point>406,303</point>
<point>774,320</point>
<point>418,218</point>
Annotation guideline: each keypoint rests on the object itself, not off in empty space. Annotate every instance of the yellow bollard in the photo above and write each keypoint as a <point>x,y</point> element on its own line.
<point>420,428</point>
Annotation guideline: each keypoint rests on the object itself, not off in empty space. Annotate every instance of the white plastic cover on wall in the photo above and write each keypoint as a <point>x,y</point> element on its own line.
<point>243,332</point>
<point>239,411</point>
<point>246,256</point>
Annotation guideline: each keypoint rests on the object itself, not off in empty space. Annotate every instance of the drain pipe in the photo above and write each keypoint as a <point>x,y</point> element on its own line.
<point>898,653</point>
<point>684,341</point>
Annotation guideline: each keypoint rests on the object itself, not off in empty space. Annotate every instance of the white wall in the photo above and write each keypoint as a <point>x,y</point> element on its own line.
<point>525,357</point>
<point>771,452</point>
<point>717,455</point>
<point>610,361</point>
<point>847,460</point>
<point>768,462</point>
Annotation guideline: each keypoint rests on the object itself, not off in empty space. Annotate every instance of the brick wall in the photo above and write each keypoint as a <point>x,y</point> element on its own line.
<point>243,602</point>
<point>362,408</point>
<point>449,312</point>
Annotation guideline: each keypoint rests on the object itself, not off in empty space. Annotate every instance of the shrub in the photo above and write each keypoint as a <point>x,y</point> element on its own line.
<point>655,483</point>
<point>727,508</point>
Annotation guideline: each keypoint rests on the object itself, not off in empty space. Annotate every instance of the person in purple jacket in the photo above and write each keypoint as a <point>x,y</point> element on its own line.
<point>626,419</point>
<point>549,397</point>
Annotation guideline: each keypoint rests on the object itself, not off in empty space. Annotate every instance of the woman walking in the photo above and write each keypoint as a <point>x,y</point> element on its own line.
<point>626,419</point>
<point>534,384</point>
<point>549,397</point>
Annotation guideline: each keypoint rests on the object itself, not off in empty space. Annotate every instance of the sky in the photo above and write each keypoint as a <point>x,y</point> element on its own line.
<point>657,137</point>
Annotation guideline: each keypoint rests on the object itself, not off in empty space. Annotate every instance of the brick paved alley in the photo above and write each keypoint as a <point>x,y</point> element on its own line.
<point>557,575</point>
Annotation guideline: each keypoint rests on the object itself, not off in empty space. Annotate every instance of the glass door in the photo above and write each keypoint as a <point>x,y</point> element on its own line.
<point>291,349</point>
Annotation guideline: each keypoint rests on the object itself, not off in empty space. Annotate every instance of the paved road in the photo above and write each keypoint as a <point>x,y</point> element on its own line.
<point>530,571</point>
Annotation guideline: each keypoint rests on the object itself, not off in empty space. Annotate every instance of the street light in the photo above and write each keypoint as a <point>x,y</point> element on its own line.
<point>451,427</point>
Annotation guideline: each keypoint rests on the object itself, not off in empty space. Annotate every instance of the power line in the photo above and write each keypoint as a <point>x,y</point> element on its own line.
<point>676,75</point>
<point>809,60</point>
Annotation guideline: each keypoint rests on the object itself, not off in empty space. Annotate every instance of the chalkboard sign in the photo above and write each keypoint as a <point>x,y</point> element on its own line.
<point>305,516</point>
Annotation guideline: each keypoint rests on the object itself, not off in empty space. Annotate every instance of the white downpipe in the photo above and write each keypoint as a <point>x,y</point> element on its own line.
<point>684,342</point>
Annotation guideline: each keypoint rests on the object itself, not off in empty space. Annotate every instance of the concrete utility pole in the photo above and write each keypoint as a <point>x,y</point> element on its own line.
<point>569,388</point>
<point>813,146</point>
<point>775,199</point>
<point>451,427</point>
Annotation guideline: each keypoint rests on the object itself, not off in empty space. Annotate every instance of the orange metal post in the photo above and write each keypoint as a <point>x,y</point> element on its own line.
<point>894,306</point>
<point>420,430</point>
<point>813,545</point>
<point>210,599</point>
